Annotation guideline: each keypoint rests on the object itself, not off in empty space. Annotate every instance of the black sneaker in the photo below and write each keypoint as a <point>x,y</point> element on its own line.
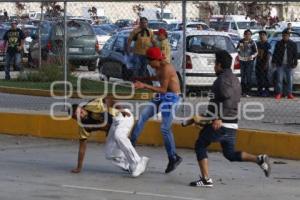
<point>173,163</point>
<point>264,163</point>
<point>202,182</point>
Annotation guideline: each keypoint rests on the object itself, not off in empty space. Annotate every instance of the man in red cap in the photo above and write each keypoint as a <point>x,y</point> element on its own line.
<point>164,44</point>
<point>165,101</point>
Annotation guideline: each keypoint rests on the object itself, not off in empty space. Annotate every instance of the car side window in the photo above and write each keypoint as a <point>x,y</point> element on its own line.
<point>109,43</point>
<point>233,26</point>
<point>273,44</point>
<point>119,44</point>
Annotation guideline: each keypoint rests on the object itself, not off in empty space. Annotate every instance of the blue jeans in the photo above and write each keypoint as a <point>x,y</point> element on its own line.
<point>167,104</point>
<point>140,66</point>
<point>12,59</point>
<point>246,75</point>
<point>225,136</point>
<point>286,73</point>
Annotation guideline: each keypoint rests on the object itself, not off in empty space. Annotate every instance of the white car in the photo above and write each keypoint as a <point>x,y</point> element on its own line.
<point>102,36</point>
<point>200,55</point>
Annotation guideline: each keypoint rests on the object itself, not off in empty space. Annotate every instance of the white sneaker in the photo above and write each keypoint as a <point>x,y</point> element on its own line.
<point>121,164</point>
<point>141,167</point>
<point>264,163</point>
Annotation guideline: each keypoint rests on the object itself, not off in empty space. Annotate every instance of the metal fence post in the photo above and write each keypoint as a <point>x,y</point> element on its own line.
<point>65,54</point>
<point>184,51</point>
<point>39,36</point>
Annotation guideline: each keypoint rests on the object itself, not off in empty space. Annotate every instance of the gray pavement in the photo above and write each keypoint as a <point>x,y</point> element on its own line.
<point>281,116</point>
<point>38,169</point>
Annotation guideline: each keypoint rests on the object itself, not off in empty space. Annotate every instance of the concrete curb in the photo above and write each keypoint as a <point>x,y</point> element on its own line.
<point>283,145</point>
<point>47,93</point>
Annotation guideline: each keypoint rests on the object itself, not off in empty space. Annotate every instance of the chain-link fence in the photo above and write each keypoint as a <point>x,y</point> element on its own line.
<point>93,48</point>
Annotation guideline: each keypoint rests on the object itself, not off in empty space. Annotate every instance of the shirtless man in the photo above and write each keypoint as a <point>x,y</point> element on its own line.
<point>165,101</point>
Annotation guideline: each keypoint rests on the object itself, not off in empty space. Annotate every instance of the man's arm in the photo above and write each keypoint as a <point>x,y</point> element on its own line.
<point>165,79</point>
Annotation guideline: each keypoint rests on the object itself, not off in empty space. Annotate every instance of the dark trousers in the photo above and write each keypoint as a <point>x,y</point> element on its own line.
<point>246,75</point>
<point>262,78</point>
<point>225,136</point>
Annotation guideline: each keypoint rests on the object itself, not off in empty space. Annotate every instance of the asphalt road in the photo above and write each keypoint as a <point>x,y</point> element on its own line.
<point>39,169</point>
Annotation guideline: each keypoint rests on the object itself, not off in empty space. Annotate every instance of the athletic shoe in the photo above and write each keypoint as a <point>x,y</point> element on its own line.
<point>264,163</point>
<point>278,96</point>
<point>202,182</point>
<point>173,163</point>
<point>121,164</point>
<point>291,96</point>
<point>141,167</point>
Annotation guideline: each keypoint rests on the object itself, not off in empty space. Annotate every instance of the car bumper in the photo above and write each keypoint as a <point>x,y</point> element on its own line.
<point>201,79</point>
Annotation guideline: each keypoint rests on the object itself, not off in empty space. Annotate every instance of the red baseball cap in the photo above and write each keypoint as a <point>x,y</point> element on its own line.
<point>155,53</point>
<point>162,31</point>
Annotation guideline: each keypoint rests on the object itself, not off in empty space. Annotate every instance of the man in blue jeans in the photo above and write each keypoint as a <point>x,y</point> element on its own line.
<point>14,43</point>
<point>165,101</point>
<point>285,59</point>
<point>247,53</point>
<point>223,112</point>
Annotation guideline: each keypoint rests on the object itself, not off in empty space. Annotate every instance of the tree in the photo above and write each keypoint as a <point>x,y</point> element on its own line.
<point>162,5</point>
<point>210,8</point>
<point>93,12</point>
<point>137,9</point>
<point>53,9</point>
<point>20,8</point>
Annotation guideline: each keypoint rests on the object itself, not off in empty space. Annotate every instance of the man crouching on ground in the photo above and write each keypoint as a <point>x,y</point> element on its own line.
<point>119,123</point>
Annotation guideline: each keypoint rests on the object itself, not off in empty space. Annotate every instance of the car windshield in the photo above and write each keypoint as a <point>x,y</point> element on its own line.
<point>30,31</point>
<point>156,26</point>
<point>2,32</point>
<point>167,16</point>
<point>219,26</point>
<point>209,44</point>
<point>174,40</point>
<point>75,29</point>
<point>172,26</point>
<point>204,26</point>
<point>248,25</point>
<point>99,31</point>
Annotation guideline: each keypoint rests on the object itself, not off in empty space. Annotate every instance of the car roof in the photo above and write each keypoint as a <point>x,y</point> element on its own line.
<point>203,32</point>
<point>295,39</point>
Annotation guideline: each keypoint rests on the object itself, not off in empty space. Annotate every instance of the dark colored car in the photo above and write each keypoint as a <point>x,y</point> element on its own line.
<point>110,28</point>
<point>2,47</point>
<point>81,43</point>
<point>113,59</point>
<point>155,25</point>
<point>121,23</point>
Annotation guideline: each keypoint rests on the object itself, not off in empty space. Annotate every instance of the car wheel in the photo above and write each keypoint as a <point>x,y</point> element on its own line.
<point>92,66</point>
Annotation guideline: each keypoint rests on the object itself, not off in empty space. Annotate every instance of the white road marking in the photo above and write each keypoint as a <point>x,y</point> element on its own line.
<point>130,192</point>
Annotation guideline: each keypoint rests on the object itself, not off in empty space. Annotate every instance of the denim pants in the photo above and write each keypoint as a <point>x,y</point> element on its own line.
<point>246,75</point>
<point>12,59</point>
<point>140,66</point>
<point>167,104</point>
<point>284,72</point>
<point>225,136</point>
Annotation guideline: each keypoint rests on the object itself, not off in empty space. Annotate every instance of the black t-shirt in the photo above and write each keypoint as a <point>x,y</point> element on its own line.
<point>13,37</point>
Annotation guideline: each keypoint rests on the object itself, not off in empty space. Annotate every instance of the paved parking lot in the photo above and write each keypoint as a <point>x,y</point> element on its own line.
<point>38,169</point>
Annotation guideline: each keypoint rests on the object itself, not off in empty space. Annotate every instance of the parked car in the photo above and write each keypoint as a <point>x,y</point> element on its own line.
<point>109,28</point>
<point>82,43</point>
<point>175,26</point>
<point>235,38</point>
<point>121,23</point>
<point>113,61</point>
<point>200,55</point>
<point>2,47</point>
<point>155,25</point>
<point>102,36</point>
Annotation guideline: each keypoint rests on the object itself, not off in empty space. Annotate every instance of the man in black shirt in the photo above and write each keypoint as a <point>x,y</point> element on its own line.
<point>262,64</point>
<point>14,43</point>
